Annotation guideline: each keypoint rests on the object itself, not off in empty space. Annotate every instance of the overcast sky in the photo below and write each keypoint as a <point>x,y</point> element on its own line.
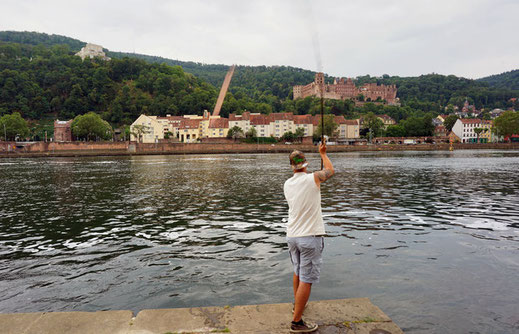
<point>470,38</point>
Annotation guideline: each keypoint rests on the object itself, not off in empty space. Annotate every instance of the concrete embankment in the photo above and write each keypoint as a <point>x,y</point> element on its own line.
<point>41,149</point>
<point>357,316</point>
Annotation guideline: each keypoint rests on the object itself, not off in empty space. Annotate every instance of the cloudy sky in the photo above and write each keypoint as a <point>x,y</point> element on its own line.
<point>470,38</point>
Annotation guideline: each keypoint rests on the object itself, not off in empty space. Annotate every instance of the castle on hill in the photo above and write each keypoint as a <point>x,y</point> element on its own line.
<point>342,90</point>
<point>92,51</point>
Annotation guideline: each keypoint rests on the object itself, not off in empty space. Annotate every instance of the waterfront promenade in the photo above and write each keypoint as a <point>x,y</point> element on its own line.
<point>73,149</point>
<point>355,316</point>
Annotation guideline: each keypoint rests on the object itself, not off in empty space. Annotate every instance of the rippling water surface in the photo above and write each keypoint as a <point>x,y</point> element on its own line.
<point>431,237</point>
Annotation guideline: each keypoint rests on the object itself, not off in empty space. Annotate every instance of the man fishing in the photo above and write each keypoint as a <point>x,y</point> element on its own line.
<point>305,230</point>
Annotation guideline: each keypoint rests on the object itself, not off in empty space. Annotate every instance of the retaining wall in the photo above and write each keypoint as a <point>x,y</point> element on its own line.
<point>125,148</point>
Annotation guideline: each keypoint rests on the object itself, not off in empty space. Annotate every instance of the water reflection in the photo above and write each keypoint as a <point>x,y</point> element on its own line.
<point>431,237</point>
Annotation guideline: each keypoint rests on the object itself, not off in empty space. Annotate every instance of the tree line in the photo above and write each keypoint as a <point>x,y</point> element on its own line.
<point>42,79</point>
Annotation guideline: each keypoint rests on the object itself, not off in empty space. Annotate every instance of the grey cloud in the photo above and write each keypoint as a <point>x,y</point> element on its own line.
<point>471,38</point>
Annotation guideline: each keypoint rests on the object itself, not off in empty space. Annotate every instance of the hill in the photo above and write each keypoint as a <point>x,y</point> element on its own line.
<point>48,65</point>
<point>506,80</point>
<point>44,82</point>
<point>38,38</point>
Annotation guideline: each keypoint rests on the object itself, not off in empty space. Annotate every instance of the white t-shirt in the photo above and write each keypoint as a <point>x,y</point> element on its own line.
<point>304,206</point>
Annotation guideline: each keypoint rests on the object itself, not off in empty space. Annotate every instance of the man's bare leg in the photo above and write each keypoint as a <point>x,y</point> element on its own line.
<point>301,298</point>
<point>295,282</point>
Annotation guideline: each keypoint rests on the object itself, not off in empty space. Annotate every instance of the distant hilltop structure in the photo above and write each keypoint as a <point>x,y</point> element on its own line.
<point>92,51</point>
<point>342,90</point>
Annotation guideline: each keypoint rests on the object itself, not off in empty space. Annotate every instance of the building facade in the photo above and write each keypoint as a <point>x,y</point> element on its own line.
<point>62,131</point>
<point>343,90</point>
<point>194,128</point>
<point>464,129</point>
<point>146,129</point>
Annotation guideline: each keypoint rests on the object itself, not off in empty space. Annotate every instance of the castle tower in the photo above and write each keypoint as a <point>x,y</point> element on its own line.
<point>319,78</point>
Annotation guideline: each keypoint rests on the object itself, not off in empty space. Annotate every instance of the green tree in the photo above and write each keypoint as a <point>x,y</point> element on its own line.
<point>299,134</point>
<point>75,104</point>
<point>449,122</point>
<point>478,132</point>
<point>90,127</point>
<point>485,115</point>
<point>330,126</point>
<point>13,126</point>
<point>126,132</point>
<point>418,126</point>
<point>288,136</point>
<point>235,132</point>
<point>395,131</point>
<point>507,124</point>
<point>138,131</point>
<point>374,125</point>
<point>251,133</point>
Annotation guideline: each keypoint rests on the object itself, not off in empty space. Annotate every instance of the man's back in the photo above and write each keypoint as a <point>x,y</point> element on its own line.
<point>304,206</point>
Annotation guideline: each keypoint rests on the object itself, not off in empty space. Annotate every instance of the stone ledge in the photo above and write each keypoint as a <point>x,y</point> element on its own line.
<point>356,316</point>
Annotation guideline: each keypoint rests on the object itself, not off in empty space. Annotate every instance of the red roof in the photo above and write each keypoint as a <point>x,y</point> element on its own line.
<point>187,123</point>
<point>340,120</point>
<point>171,118</point>
<point>243,117</point>
<point>218,123</point>
<point>302,119</point>
<point>470,120</point>
<point>282,116</point>
<point>352,122</point>
<point>258,120</point>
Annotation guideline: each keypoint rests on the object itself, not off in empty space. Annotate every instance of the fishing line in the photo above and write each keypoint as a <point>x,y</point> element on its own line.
<point>318,61</point>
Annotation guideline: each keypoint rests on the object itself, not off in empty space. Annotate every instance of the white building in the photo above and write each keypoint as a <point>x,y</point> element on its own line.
<point>91,51</point>
<point>464,129</point>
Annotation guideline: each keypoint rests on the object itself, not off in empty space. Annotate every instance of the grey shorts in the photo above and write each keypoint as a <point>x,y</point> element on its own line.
<point>306,256</point>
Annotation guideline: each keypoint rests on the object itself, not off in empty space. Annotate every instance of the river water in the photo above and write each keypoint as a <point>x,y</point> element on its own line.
<point>432,238</point>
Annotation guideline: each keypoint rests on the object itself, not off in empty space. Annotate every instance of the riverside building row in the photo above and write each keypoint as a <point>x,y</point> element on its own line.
<point>194,128</point>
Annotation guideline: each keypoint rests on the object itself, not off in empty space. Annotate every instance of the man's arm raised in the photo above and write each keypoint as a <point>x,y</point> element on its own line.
<point>327,171</point>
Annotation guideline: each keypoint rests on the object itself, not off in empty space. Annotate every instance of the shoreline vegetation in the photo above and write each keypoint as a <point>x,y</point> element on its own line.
<point>78,149</point>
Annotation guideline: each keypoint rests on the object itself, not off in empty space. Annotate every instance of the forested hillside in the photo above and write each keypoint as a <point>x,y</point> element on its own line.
<point>37,38</point>
<point>39,75</point>
<point>507,80</point>
<point>37,81</point>
<point>432,91</point>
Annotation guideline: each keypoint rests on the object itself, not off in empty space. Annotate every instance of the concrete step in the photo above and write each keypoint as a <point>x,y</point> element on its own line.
<point>357,316</point>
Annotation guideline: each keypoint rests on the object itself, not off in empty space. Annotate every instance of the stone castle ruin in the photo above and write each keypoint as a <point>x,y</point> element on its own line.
<point>92,51</point>
<point>342,90</point>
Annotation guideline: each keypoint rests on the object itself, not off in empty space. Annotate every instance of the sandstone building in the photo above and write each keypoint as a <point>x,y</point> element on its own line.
<point>343,90</point>
<point>62,131</point>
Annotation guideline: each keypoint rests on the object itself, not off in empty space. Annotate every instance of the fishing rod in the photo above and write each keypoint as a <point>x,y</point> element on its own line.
<point>318,61</point>
<point>322,119</point>
<point>317,54</point>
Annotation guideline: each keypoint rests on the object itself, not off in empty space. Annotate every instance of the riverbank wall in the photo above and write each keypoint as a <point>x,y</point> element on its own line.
<point>67,149</point>
<point>356,316</point>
